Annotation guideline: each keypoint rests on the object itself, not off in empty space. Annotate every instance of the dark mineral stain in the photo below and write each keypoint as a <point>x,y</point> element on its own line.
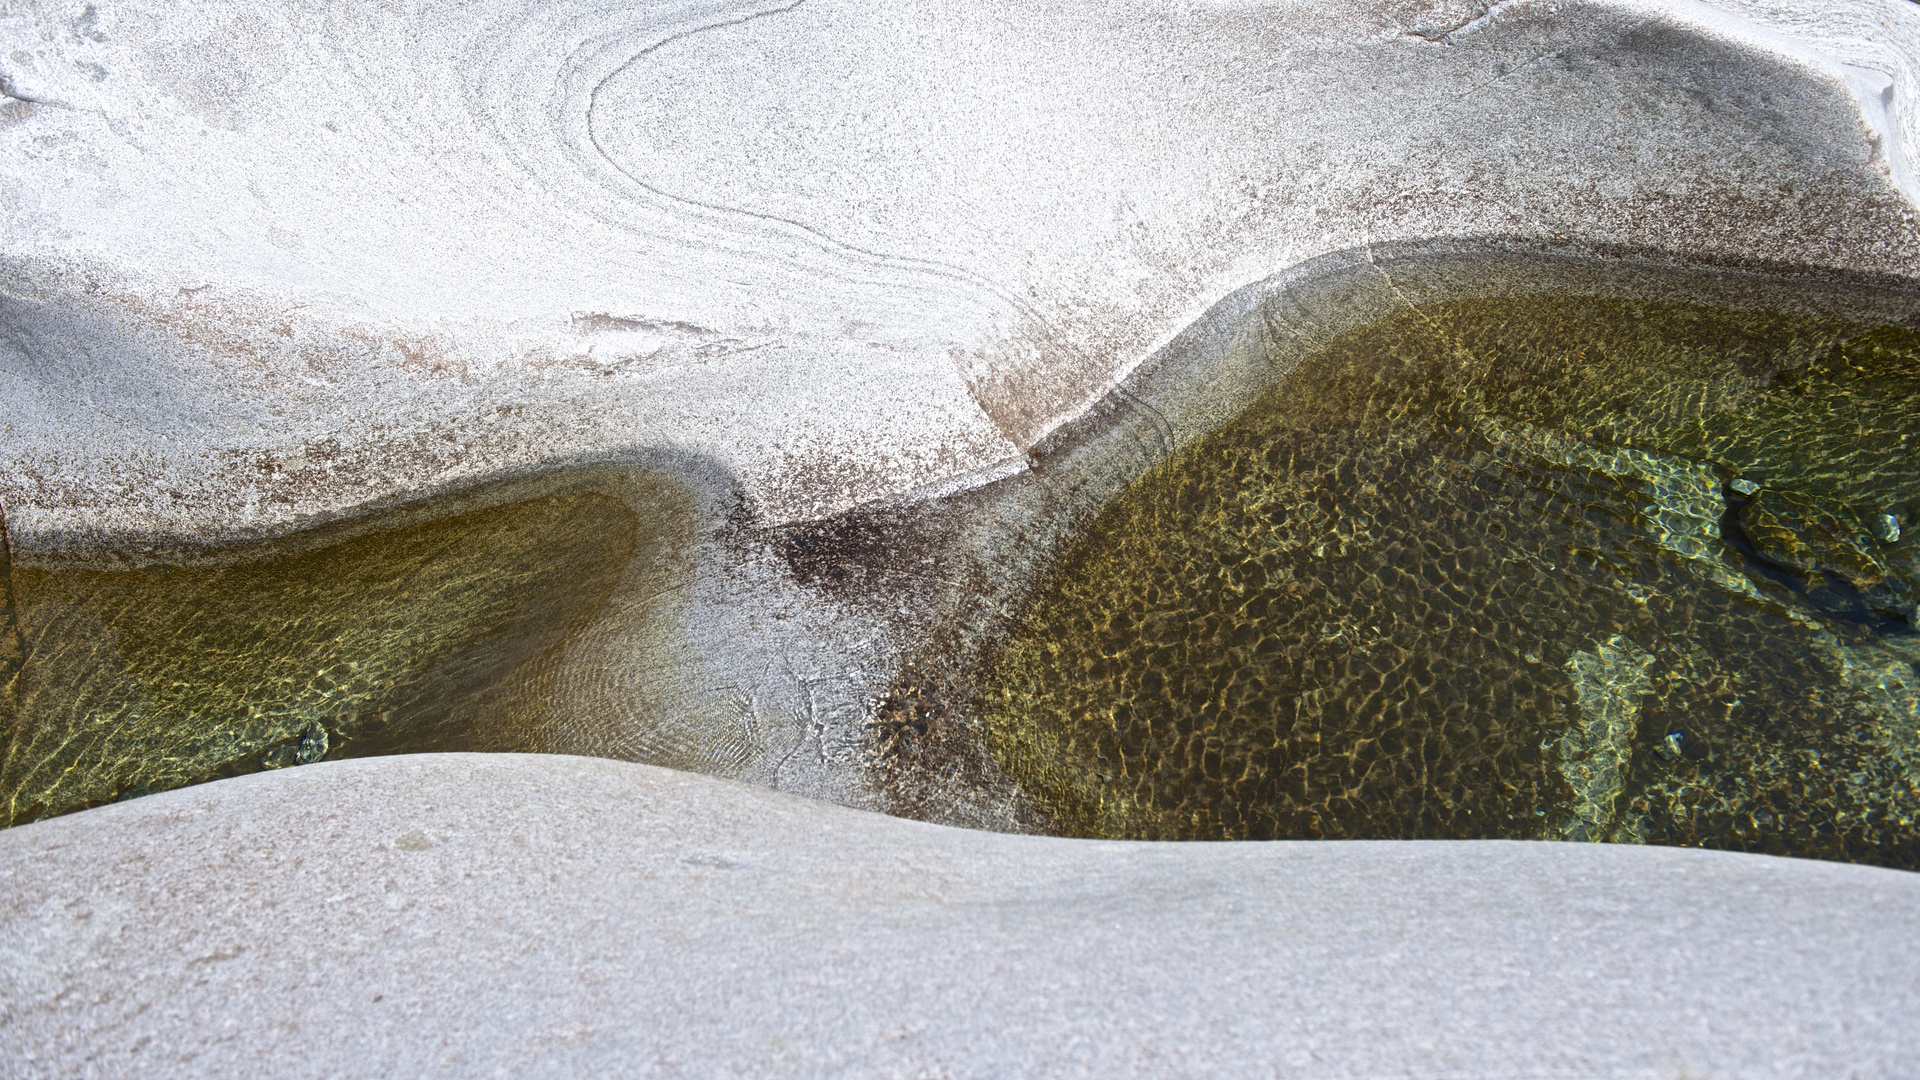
<point>1483,570</point>
<point>840,553</point>
<point>424,636</point>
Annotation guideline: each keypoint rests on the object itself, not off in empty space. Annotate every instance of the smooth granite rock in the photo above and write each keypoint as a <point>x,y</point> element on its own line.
<point>265,263</point>
<point>262,268</point>
<point>467,915</point>
<point>265,266</point>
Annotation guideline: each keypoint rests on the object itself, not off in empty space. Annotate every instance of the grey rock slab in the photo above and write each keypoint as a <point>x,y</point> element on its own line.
<point>462,915</point>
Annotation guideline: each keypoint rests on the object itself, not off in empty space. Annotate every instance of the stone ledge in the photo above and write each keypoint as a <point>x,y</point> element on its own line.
<point>464,915</point>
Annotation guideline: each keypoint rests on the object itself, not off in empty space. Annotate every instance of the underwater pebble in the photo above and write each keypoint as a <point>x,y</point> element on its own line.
<point>1669,746</point>
<point>1806,535</point>
<point>313,745</point>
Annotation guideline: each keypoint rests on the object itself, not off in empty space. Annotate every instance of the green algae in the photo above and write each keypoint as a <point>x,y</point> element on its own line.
<point>383,637</point>
<point>1482,570</point>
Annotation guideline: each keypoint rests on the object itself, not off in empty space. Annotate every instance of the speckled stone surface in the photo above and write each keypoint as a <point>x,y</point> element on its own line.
<point>266,267</point>
<point>260,265</point>
<point>464,916</point>
<point>265,263</point>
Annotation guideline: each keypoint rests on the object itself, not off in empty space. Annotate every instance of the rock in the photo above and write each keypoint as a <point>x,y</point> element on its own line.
<point>1596,753</point>
<point>482,912</point>
<point>1810,536</point>
<point>263,266</point>
<point>1887,528</point>
<point>841,262</point>
<point>313,745</point>
<point>1669,746</point>
<point>813,262</point>
<point>1744,486</point>
<point>280,755</point>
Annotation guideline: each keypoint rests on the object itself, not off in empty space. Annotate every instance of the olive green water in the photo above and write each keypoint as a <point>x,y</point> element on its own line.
<point>434,635</point>
<point>1477,571</point>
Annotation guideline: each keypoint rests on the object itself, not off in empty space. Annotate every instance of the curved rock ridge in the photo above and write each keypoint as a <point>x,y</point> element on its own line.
<point>841,250</point>
<point>459,915</point>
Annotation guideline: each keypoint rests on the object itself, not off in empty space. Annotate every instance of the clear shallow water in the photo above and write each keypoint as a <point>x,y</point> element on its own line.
<point>382,638</point>
<point>1481,570</point>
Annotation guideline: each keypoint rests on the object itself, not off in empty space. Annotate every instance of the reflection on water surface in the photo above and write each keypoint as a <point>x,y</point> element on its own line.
<point>435,635</point>
<point>1564,568</point>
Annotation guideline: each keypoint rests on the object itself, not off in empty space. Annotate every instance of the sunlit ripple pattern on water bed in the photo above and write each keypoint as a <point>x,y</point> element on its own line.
<point>1562,567</point>
<point>389,635</point>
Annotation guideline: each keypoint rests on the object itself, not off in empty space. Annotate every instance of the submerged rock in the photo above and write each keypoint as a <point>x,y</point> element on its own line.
<point>313,745</point>
<point>1596,754</point>
<point>1810,536</point>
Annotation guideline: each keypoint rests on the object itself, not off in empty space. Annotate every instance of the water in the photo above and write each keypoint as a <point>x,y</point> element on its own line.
<point>1484,570</point>
<point>385,636</point>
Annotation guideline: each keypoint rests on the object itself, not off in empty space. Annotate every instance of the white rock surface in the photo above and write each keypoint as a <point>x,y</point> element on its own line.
<point>842,249</point>
<point>549,916</point>
<point>264,264</point>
